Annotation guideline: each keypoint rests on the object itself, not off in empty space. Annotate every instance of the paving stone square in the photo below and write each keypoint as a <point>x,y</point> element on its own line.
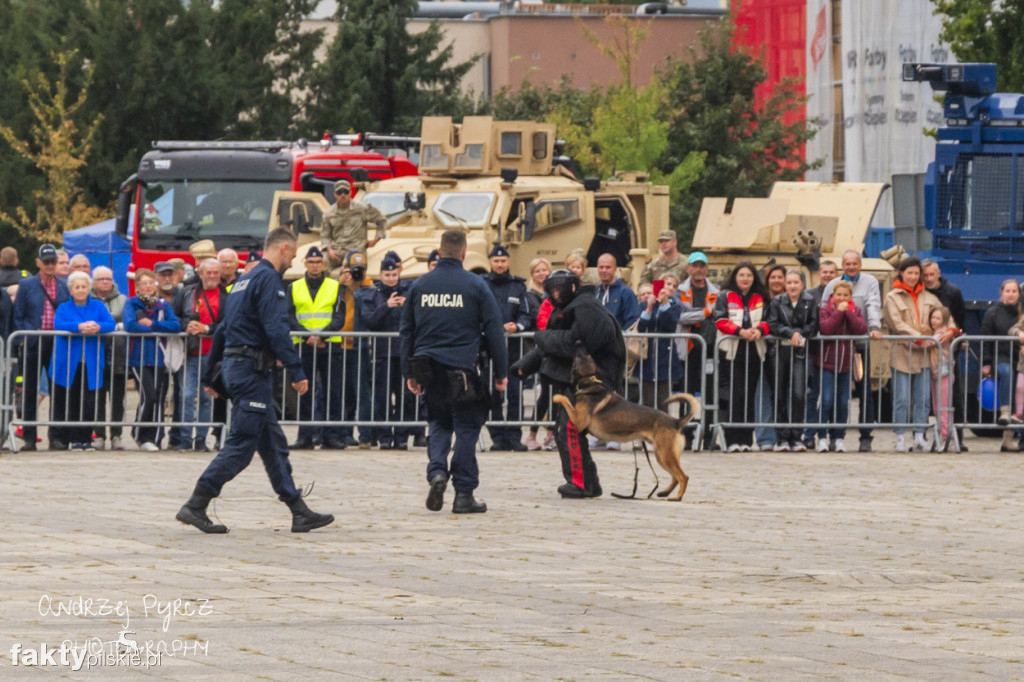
<point>776,566</point>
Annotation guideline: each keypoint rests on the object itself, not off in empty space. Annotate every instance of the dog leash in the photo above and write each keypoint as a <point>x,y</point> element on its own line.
<point>636,473</point>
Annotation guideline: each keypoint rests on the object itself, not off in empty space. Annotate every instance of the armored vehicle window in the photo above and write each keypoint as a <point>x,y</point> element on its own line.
<point>390,204</point>
<point>540,145</point>
<point>473,157</point>
<point>511,144</point>
<point>433,158</point>
<point>464,209</point>
<point>557,212</point>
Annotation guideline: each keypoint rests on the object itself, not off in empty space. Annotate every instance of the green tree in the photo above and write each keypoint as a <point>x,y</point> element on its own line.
<point>377,76</point>
<point>986,31</point>
<point>170,69</point>
<point>58,149</point>
<point>714,112</point>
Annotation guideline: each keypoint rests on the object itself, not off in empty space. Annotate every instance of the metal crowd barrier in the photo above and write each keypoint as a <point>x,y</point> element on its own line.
<point>356,387</point>
<point>992,383</point>
<point>761,398</point>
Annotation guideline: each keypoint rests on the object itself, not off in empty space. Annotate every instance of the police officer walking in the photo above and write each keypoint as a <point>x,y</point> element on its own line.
<point>443,318</point>
<point>510,294</point>
<point>254,332</point>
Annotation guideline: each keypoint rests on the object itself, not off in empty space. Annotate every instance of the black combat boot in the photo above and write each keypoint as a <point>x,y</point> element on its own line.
<point>304,519</point>
<point>465,504</point>
<point>194,512</point>
<point>435,498</point>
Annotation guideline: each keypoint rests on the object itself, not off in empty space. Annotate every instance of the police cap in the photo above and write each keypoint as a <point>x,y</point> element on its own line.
<point>498,251</point>
<point>314,252</point>
<point>388,264</point>
<point>254,257</point>
<point>435,255</point>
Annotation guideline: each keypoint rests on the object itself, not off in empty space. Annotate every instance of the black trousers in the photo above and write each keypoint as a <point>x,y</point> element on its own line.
<point>35,358</point>
<point>578,466</point>
<point>788,377</point>
<point>737,388</point>
<point>75,403</point>
<point>113,392</point>
<point>152,382</point>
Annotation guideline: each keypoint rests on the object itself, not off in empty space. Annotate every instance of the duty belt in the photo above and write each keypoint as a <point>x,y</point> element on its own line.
<point>254,352</point>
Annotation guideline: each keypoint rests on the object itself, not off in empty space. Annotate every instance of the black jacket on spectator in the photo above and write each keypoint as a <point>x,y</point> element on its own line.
<point>534,300</point>
<point>378,317</point>
<point>951,297</point>
<point>586,320</point>
<point>784,319</point>
<point>997,322</point>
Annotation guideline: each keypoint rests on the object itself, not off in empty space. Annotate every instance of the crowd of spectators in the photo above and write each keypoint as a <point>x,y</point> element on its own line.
<point>787,355</point>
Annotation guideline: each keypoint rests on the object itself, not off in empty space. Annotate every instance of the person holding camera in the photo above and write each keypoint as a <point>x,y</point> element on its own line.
<point>198,307</point>
<point>445,313</point>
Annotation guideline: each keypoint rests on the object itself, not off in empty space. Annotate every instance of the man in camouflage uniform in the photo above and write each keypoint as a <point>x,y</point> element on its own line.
<point>346,225</point>
<point>670,262</point>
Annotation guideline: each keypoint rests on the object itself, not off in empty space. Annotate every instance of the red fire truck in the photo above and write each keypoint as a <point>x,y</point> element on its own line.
<point>186,191</point>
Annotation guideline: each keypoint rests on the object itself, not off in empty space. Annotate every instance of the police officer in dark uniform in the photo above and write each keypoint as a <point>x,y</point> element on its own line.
<point>510,293</point>
<point>578,318</point>
<point>252,333</point>
<point>443,318</point>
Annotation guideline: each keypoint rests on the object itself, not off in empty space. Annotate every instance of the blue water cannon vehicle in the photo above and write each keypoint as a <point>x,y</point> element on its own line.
<point>974,190</point>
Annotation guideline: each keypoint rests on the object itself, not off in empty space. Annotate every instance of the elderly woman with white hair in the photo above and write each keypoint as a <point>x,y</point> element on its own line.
<point>77,364</point>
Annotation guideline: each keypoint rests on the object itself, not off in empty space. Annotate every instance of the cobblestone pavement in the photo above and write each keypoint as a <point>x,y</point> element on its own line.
<point>774,567</point>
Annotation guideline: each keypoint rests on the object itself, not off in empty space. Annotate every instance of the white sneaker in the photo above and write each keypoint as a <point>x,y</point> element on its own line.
<point>745,448</point>
<point>840,445</point>
<point>116,444</point>
<point>798,447</point>
<point>733,448</point>
<point>920,444</point>
<point>901,445</point>
<point>613,445</point>
<point>149,447</point>
<point>780,447</point>
<point>823,444</point>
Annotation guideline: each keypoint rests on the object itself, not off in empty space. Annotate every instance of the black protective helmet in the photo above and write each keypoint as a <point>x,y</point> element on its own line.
<point>561,286</point>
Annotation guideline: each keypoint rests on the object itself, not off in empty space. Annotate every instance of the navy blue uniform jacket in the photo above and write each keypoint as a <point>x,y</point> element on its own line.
<point>444,315</point>
<point>510,294</point>
<point>378,317</point>
<point>256,314</point>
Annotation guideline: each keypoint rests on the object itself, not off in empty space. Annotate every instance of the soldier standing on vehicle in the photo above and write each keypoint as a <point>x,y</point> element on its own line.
<point>670,262</point>
<point>253,333</point>
<point>346,225</point>
<point>447,311</point>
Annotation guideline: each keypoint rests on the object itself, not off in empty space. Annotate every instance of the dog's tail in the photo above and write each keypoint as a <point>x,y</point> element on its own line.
<point>689,410</point>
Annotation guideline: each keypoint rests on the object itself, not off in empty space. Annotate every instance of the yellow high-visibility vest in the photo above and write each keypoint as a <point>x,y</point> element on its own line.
<point>314,315</point>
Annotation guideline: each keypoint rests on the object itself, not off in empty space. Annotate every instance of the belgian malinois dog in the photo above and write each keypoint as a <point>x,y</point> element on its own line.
<point>604,413</point>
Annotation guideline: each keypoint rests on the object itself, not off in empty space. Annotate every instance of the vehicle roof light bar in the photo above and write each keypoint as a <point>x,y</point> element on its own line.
<point>184,145</point>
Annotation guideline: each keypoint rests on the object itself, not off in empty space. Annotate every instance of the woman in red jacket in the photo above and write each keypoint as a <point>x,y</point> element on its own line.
<point>741,313</point>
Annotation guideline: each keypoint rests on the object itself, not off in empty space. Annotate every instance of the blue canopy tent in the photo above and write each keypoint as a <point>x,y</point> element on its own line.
<point>102,246</point>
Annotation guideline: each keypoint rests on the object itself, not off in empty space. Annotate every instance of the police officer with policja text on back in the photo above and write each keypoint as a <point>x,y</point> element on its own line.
<point>252,333</point>
<point>443,318</point>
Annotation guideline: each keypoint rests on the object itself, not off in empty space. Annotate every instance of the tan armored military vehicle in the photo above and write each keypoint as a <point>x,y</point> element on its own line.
<point>798,225</point>
<point>497,181</point>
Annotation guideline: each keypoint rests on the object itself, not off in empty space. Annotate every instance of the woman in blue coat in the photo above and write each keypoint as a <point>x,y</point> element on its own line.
<point>661,367</point>
<point>77,363</point>
<point>146,313</point>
